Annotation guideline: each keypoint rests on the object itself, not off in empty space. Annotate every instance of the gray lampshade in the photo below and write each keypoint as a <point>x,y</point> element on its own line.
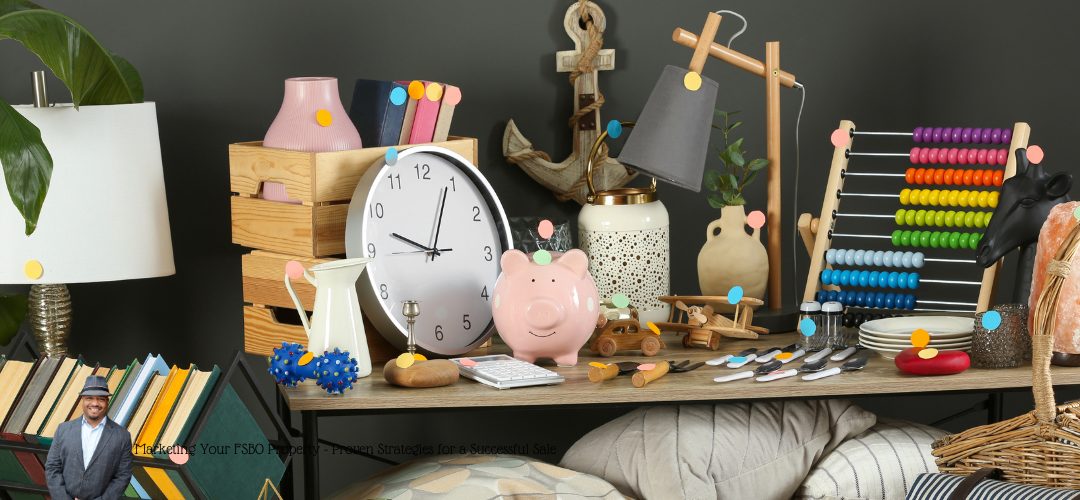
<point>671,137</point>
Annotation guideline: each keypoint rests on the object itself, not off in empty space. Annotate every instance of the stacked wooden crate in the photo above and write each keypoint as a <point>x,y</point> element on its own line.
<point>310,232</point>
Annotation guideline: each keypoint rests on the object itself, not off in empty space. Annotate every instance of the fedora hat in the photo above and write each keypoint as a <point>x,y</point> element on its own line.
<point>96,385</point>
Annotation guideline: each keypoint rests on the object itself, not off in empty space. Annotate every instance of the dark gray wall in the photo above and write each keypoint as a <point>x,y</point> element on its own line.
<point>216,70</point>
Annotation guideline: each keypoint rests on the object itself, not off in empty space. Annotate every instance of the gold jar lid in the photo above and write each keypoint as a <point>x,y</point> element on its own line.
<point>620,196</point>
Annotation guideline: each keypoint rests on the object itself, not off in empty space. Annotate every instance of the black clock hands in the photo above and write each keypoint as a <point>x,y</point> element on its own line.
<point>440,250</point>
<point>433,251</point>
<point>438,225</point>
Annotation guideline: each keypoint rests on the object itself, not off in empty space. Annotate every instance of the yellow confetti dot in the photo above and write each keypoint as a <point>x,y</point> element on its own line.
<point>692,81</point>
<point>306,358</point>
<point>33,269</point>
<point>324,117</point>
<point>598,364</point>
<point>419,357</point>
<point>416,89</point>
<point>920,338</point>
<point>784,355</point>
<point>405,360</point>
<point>652,326</point>
<point>434,91</point>
<point>928,353</point>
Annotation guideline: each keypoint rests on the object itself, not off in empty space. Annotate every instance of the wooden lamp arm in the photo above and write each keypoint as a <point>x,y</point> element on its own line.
<point>701,46</point>
<point>734,58</point>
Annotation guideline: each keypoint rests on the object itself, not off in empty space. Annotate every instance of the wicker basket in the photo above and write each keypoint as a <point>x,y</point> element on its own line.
<point>1041,447</point>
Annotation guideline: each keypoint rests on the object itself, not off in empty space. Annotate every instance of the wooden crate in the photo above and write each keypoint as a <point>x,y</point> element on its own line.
<point>266,297</point>
<point>322,182</point>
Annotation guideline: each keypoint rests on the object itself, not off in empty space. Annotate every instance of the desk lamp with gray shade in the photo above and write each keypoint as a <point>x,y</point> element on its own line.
<point>671,137</point>
<point>105,217</point>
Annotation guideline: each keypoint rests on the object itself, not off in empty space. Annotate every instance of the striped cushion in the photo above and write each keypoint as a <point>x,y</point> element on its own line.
<point>940,486</point>
<point>880,463</point>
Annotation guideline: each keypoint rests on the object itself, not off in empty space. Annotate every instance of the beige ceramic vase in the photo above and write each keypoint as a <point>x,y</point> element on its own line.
<point>732,257</point>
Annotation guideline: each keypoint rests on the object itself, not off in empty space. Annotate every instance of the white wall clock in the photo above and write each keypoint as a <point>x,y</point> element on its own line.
<point>435,230</point>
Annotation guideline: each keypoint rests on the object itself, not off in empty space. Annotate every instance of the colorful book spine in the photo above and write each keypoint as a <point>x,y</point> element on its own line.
<point>427,111</point>
<point>378,110</point>
<point>451,98</point>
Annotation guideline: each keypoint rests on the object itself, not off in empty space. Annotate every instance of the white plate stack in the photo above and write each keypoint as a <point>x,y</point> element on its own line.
<point>889,336</point>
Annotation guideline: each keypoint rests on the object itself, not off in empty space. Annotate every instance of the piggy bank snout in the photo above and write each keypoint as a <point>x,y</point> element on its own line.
<point>543,313</point>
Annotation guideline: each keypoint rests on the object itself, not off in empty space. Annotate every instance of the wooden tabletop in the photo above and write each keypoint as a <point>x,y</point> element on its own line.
<point>879,377</point>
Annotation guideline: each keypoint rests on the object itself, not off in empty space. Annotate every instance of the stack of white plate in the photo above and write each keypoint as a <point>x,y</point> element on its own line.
<point>889,336</point>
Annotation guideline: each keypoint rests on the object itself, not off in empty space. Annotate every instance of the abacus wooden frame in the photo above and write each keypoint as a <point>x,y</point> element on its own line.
<point>831,202</point>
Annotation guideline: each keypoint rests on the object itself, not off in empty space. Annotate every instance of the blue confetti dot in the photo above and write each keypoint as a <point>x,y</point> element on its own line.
<point>398,95</point>
<point>991,320</point>
<point>807,327</point>
<point>614,129</point>
<point>735,294</point>
<point>737,359</point>
<point>391,156</point>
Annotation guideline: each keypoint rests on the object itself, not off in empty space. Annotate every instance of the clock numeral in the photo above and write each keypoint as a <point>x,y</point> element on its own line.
<point>371,251</point>
<point>484,294</point>
<point>383,292</point>
<point>453,185</point>
<point>487,255</point>
<point>438,332</point>
<point>425,168</point>
<point>394,178</point>
<point>376,210</point>
<point>476,214</point>
<point>466,323</point>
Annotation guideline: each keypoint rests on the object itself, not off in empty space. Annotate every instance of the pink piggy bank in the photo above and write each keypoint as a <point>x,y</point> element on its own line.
<point>545,311</point>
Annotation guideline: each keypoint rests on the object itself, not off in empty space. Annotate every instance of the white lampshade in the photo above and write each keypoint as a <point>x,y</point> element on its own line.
<point>105,216</point>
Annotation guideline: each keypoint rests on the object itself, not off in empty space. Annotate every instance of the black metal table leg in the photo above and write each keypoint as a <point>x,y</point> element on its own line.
<point>311,454</point>
<point>995,407</point>
<point>287,487</point>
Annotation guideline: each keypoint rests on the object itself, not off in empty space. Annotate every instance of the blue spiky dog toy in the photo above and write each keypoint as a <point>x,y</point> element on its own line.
<point>288,365</point>
<point>335,371</point>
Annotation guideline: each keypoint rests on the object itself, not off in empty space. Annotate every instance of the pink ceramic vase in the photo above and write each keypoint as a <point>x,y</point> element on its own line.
<point>312,118</point>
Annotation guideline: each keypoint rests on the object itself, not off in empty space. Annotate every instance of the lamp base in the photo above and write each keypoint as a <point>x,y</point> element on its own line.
<point>778,320</point>
<point>49,316</point>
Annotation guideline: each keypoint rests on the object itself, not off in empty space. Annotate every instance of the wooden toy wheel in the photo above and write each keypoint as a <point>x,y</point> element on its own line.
<point>650,346</point>
<point>606,347</point>
<point>714,342</point>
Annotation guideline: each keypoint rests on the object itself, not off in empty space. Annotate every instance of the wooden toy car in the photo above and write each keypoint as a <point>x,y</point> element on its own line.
<point>703,326</point>
<point>625,335</point>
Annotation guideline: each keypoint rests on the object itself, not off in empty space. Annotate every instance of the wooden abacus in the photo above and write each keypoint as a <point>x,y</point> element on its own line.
<point>941,168</point>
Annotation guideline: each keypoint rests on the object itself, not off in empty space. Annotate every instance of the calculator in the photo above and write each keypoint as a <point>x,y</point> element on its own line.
<point>504,372</point>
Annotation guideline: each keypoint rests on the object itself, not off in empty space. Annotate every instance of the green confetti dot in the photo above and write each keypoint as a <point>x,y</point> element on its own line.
<point>542,257</point>
<point>1076,213</point>
<point>619,300</point>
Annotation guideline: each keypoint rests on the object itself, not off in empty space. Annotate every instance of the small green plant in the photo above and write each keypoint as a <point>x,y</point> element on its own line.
<point>735,173</point>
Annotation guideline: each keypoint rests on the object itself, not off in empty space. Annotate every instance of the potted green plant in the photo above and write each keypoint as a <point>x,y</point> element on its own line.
<point>93,76</point>
<point>730,256</point>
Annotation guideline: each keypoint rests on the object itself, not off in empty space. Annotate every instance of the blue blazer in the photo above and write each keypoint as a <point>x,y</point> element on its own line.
<point>109,471</point>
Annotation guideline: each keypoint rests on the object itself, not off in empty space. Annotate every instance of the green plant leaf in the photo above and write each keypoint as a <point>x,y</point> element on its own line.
<point>757,164</point>
<point>733,126</point>
<point>27,164</point>
<point>735,155</point>
<point>737,200</point>
<point>722,114</point>
<point>712,180</point>
<point>716,201</point>
<point>733,182</point>
<point>12,314</point>
<point>749,178</point>
<point>733,113</point>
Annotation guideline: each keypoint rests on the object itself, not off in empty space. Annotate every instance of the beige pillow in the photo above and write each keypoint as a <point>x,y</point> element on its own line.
<point>470,477</point>
<point>739,451</point>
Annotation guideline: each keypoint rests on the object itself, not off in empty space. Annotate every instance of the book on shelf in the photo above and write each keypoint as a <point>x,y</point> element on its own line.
<point>376,116</point>
<point>427,111</point>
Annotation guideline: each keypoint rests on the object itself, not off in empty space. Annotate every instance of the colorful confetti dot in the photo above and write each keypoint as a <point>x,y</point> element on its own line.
<point>920,338</point>
<point>398,96</point>
<point>1035,154</point>
<point>756,219</point>
<point>735,294</point>
<point>614,129</point>
<point>419,357</point>
<point>434,92</point>
<point>737,359</point>
<point>840,138</point>
<point>33,269</point>
<point>692,81</point>
<point>807,327</point>
<point>451,96</point>
<point>416,89</point>
<point>405,360</point>
<point>652,326</point>
<point>646,366</point>
<point>306,358</point>
<point>391,156</point>
<point>294,270</point>
<point>619,300</point>
<point>991,320</point>
<point>324,118</point>
<point>467,362</point>
<point>1076,213</point>
<point>179,456</point>
<point>542,257</point>
<point>928,353</point>
<point>784,355</point>
<point>598,364</point>
<point>545,229</point>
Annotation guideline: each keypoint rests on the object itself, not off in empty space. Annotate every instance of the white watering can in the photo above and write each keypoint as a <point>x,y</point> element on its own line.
<point>336,320</point>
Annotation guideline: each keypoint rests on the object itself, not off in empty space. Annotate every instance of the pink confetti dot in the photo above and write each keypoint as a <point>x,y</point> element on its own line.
<point>1035,154</point>
<point>179,456</point>
<point>294,270</point>
<point>545,229</point>
<point>756,219</point>
<point>646,367</point>
<point>840,138</point>
<point>468,362</point>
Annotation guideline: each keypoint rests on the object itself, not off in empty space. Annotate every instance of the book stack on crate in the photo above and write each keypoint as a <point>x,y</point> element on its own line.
<point>164,408</point>
<point>311,231</point>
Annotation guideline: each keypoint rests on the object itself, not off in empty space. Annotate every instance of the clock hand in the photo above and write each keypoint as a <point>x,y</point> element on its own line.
<point>440,250</point>
<point>415,244</point>
<point>438,226</point>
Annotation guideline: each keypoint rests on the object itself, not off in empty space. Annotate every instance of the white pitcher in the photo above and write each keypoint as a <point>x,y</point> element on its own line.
<point>336,321</point>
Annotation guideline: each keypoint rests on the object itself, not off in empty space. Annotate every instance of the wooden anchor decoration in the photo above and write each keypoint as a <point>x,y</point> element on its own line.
<point>567,178</point>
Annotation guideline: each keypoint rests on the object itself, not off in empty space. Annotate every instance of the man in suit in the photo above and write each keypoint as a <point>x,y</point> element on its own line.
<point>90,457</point>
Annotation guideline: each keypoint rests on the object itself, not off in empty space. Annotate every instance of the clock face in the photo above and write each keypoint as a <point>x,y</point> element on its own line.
<point>435,231</point>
